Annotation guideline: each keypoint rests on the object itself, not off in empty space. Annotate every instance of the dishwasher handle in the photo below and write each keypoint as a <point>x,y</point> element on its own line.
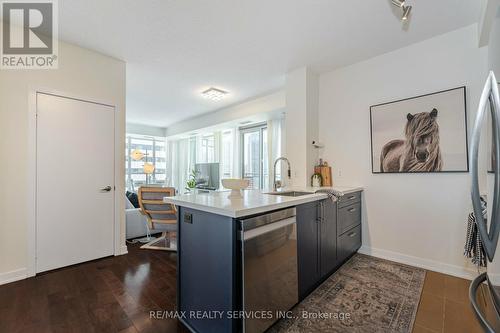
<point>247,235</point>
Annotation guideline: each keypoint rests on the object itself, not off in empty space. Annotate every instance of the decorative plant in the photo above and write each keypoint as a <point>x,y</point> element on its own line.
<point>191,182</point>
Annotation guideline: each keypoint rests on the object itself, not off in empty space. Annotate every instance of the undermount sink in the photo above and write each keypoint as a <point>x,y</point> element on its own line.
<point>291,193</point>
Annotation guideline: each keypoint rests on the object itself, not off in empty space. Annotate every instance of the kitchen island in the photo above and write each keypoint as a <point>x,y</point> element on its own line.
<point>243,262</point>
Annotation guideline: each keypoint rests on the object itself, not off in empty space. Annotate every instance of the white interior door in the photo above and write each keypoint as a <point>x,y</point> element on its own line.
<point>75,181</point>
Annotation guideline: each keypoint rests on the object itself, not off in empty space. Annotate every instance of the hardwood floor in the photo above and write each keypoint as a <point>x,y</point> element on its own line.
<point>113,294</point>
<point>444,306</point>
<point>116,294</point>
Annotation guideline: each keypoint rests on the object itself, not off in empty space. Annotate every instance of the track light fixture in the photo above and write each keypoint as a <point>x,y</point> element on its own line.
<point>404,8</point>
<point>398,3</point>
<point>406,12</point>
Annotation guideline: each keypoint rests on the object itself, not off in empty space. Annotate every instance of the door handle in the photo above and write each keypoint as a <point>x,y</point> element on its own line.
<point>106,189</point>
<point>489,238</point>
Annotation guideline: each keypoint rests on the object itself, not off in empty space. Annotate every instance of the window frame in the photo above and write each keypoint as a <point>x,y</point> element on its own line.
<point>151,158</point>
<point>251,129</point>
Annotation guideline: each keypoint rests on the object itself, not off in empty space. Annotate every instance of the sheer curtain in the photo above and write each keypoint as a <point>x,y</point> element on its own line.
<point>222,147</point>
<point>275,144</point>
<point>183,154</point>
<point>181,160</point>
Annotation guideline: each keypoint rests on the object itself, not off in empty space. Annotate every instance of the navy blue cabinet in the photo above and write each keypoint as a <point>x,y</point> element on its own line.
<point>308,247</point>
<point>328,233</point>
<point>316,243</point>
<point>328,236</point>
<point>206,282</point>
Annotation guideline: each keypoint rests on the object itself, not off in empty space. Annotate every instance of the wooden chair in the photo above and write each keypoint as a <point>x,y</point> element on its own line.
<point>161,216</point>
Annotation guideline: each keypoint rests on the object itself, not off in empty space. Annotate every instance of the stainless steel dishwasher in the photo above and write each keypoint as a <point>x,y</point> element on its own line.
<point>269,268</point>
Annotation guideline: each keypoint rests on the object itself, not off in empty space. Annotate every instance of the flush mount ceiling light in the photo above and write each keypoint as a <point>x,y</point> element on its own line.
<point>406,10</point>
<point>214,94</point>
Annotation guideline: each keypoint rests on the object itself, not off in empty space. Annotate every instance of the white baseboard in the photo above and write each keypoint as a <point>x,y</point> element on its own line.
<point>123,250</point>
<point>12,276</point>
<point>494,278</point>
<point>431,265</point>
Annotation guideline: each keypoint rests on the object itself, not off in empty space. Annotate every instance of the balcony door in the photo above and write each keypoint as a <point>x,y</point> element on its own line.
<point>254,155</point>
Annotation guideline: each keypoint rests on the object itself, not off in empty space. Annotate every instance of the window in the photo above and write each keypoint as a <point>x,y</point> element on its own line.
<point>154,152</point>
<point>207,149</point>
<point>254,156</point>
<point>227,155</point>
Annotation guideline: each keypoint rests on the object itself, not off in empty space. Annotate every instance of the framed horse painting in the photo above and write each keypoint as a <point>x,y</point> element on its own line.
<point>424,134</point>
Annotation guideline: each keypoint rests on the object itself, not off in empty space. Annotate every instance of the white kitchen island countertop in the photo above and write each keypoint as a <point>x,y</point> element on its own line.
<point>252,202</point>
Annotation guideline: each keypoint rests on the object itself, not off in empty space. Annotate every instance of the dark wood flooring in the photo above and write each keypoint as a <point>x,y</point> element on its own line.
<point>114,294</point>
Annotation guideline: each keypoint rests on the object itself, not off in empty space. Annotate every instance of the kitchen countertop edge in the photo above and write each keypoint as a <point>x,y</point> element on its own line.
<point>243,212</point>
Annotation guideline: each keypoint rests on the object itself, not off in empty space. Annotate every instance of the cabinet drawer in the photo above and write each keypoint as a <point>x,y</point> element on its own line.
<point>349,199</point>
<point>348,217</point>
<point>349,243</point>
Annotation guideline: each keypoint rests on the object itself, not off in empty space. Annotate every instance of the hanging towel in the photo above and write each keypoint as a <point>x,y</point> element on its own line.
<point>473,245</point>
<point>332,194</point>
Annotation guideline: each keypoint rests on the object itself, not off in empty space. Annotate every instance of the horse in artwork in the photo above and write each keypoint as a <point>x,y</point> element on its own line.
<point>420,151</point>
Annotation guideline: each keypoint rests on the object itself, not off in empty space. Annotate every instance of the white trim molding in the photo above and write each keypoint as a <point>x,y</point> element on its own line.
<point>123,250</point>
<point>431,265</point>
<point>12,276</point>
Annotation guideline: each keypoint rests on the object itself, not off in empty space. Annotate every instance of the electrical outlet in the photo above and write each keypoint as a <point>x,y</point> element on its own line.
<point>188,218</point>
<point>340,173</point>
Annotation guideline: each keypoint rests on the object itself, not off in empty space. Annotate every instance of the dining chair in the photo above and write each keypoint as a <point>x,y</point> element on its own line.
<point>161,216</point>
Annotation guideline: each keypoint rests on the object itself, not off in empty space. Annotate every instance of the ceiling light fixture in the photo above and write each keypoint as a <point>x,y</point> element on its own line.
<point>406,12</point>
<point>214,94</point>
<point>398,3</point>
<point>404,8</point>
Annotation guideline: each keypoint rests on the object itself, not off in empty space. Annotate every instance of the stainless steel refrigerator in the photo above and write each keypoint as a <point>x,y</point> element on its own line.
<point>484,291</point>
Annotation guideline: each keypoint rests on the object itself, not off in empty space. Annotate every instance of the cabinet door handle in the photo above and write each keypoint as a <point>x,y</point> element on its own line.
<point>318,219</point>
<point>351,210</point>
<point>352,234</point>
<point>322,212</point>
<point>351,197</point>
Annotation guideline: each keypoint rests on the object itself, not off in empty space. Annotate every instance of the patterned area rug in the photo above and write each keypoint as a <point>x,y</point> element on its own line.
<point>365,295</point>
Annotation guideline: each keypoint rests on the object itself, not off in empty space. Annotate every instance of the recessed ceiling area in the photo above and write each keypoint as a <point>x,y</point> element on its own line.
<point>177,49</point>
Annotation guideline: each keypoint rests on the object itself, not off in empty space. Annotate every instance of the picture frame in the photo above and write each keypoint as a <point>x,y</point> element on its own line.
<point>421,134</point>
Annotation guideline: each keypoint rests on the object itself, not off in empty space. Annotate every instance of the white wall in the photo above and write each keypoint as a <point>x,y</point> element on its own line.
<point>146,130</point>
<point>415,218</point>
<point>494,47</point>
<point>82,73</point>
<point>302,99</point>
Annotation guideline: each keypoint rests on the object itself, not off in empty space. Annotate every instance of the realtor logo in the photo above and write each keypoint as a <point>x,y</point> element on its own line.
<point>29,34</point>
